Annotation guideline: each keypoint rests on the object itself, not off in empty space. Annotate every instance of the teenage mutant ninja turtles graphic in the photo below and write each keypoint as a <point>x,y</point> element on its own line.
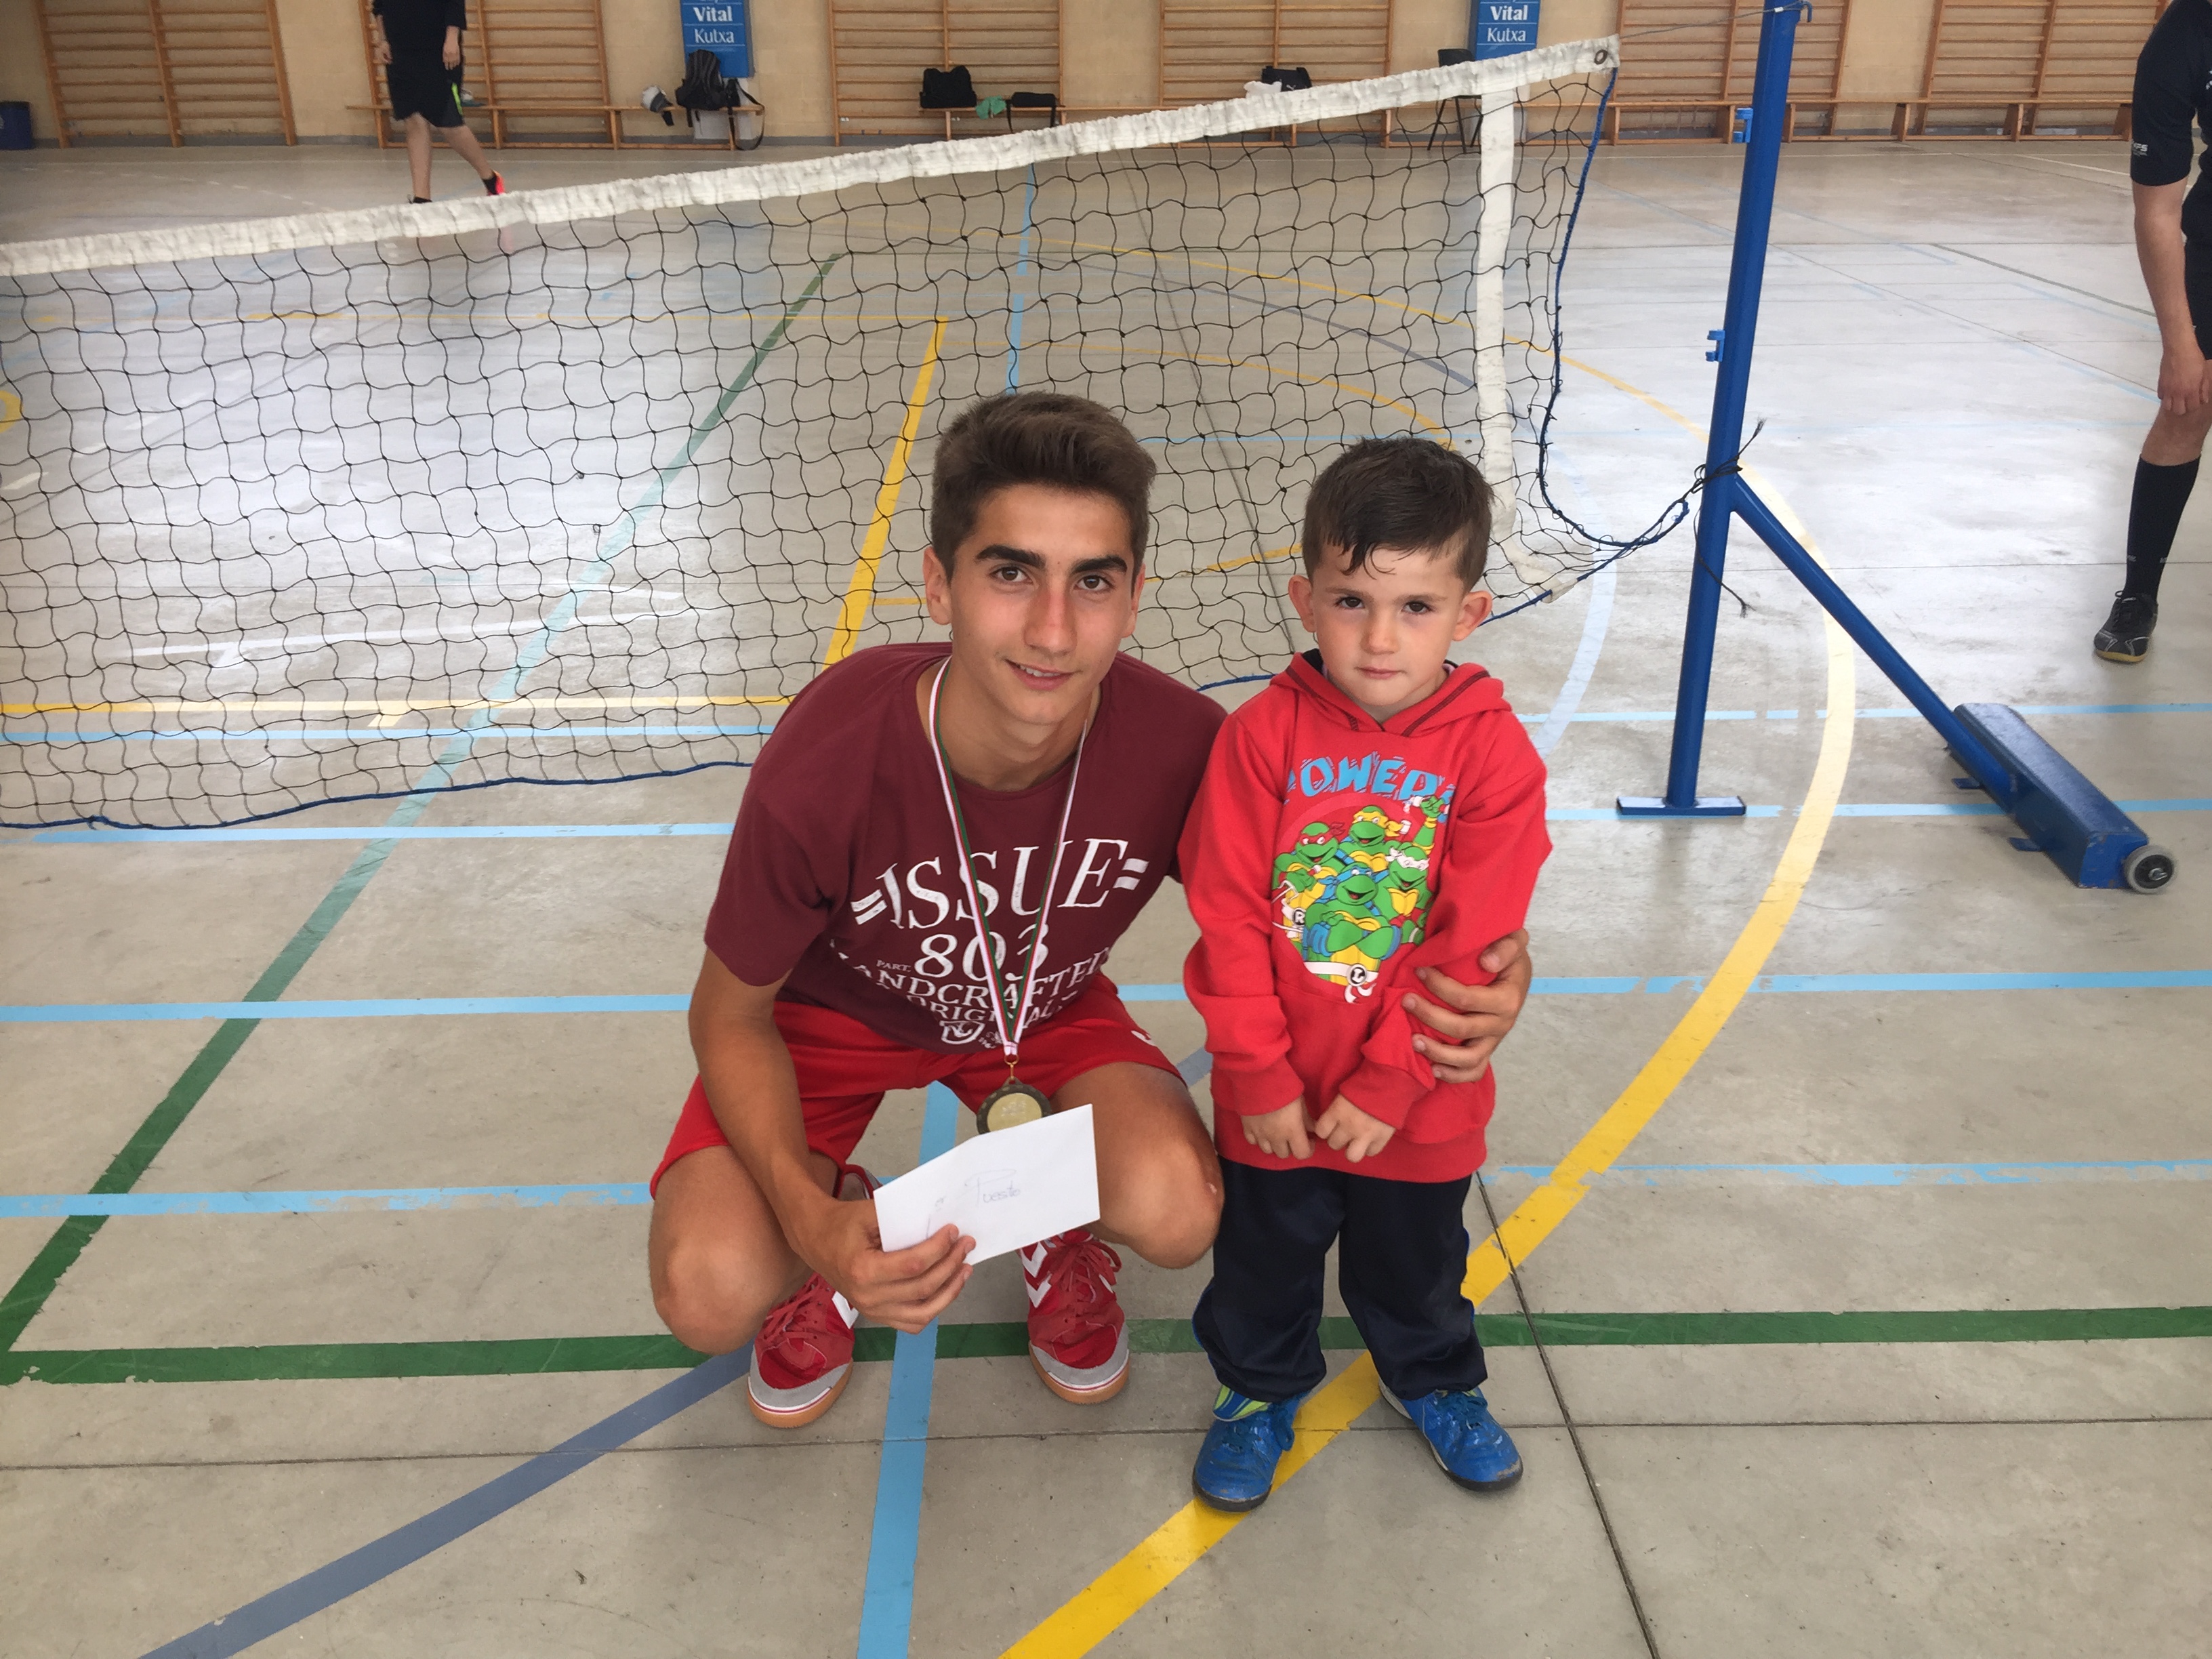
<point>1349,898</point>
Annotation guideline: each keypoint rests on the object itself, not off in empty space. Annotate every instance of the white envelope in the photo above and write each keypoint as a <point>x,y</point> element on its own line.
<point>1004,1189</point>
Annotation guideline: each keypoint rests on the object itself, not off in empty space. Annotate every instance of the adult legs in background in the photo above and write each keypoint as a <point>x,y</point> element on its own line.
<point>463,143</point>
<point>2164,474</point>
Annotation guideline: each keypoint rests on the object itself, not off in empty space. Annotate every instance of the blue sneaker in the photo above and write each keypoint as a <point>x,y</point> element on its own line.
<point>1246,1438</point>
<point>1464,1437</point>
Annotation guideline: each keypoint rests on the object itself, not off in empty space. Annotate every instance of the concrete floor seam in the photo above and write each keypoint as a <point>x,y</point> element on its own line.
<point>1574,1435</point>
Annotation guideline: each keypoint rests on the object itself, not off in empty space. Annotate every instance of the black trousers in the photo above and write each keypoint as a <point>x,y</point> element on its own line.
<point>1402,1256</point>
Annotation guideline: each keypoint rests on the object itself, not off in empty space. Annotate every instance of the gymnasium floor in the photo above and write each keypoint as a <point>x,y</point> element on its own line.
<point>1885,1335</point>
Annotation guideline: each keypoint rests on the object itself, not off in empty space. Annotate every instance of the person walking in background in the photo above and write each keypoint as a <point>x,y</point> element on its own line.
<point>2173,241</point>
<point>419,44</point>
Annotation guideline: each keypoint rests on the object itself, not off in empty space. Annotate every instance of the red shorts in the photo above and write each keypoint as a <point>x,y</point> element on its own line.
<point>844,1068</point>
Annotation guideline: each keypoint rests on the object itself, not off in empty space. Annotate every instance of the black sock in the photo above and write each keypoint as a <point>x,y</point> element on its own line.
<point>488,181</point>
<point>417,201</point>
<point>2153,515</point>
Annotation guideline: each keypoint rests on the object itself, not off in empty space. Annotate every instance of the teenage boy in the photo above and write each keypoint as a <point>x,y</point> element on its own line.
<point>419,44</point>
<point>2173,244</point>
<point>1374,810</point>
<point>852,949</point>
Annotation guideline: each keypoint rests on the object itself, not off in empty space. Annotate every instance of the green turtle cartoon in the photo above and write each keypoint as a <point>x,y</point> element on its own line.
<point>1303,874</point>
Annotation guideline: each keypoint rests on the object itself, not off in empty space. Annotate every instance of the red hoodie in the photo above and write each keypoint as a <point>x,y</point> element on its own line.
<point>1326,857</point>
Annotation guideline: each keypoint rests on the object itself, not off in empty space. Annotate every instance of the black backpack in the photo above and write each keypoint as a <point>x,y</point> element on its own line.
<point>948,88</point>
<point>704,85</point>
<point>1286,80</point>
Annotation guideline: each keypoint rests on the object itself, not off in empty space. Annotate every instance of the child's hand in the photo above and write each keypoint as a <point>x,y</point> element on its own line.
<point>1350,1131</point>
<point>1281,1133</point>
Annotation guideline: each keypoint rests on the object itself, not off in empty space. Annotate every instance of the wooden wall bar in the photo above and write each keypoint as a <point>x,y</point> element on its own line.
<point>191,68</point>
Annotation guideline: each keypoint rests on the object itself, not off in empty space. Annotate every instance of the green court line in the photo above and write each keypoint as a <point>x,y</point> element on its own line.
<point>28,1296</point>
<point>529,1356</point>
<point>37,1281</point>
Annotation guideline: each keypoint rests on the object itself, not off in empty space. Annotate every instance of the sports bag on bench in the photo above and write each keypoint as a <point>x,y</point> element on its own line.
<point>704,85</point>
<point>948,88</point>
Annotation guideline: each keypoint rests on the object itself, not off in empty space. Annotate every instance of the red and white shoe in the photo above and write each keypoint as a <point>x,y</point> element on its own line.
<point>1078,1339</point>
<point>803,1353</point>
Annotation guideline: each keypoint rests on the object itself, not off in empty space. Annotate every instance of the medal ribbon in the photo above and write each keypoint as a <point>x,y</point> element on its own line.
<point>1004,1000</point>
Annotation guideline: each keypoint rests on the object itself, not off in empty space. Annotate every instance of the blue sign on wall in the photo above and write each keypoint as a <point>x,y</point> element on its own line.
<point>1498,28</point>
<point>720,25</point>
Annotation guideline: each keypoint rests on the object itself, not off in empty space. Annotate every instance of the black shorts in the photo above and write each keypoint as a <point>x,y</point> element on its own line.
<point>2196,283</point>
<point>421,84</point>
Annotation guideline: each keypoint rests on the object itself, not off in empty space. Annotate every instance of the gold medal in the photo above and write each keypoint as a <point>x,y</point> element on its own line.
<point>1014,1101</point>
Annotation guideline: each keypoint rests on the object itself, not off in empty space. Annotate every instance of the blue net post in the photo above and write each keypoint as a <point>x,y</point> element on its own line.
<point>1732,343</point>
<point>2065,816</point>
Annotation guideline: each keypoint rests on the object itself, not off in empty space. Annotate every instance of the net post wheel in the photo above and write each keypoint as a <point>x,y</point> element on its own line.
<point>1012,1102</point>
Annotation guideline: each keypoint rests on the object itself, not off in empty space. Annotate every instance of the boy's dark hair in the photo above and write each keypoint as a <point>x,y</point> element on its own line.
<point>1036,438</point>
<point>1400,492</point>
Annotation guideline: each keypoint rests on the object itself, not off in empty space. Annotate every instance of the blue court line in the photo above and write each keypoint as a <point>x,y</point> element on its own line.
<point>632,1194</point>
<point>305,1596</point>
<point>391,733</point>
<point>1968,809</point>
<point>360,1008</point>
<point>66,1013</point>
<point>360,1201</point>
<point>421,832</point>
<point>895,1537</point>
<point>1601,716</point>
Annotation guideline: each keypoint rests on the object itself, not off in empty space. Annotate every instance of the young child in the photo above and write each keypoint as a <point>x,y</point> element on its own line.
<point>1374,811</point>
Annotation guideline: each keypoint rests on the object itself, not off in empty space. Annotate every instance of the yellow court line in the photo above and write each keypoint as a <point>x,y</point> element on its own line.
<point>1117,1594</point>
<point>11,408</point>
<point>852,615</point>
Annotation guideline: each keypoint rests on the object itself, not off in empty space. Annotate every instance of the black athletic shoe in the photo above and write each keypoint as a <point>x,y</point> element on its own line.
<point>2125,636</point>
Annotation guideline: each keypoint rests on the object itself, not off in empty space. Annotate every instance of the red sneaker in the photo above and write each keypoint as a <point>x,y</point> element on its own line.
<point>803,1354</point>
<point>802,1358</point>
<point>1078,1339</point>
<point>494,185</point>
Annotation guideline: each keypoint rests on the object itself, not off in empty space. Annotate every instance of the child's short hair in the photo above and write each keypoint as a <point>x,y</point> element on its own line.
<point>1035,438</point>
<point>1400,492</point>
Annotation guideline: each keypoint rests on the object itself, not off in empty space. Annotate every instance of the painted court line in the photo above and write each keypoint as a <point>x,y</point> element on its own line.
<point>577,1355</point>
<point>63,1013</point>
<point>1965,809</point>
<point>895,1536</point>
<point>349,1575</point>
<point>1102,1606</point>
<point>861,590</point>
<point>379,734</point>
<point>28,1294</point>
<point>1595,620</point>
<point>628,1194</point>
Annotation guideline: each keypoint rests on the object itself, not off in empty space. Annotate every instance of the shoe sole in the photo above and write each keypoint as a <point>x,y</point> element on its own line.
<point>1229,1506</point>
<point>2122,656</point>
<point>800,1416</point>
<point>1097,1394</point>
<point>1459,1480</point>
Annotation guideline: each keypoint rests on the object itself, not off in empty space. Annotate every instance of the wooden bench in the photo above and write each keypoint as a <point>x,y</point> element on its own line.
<point>500,113</point>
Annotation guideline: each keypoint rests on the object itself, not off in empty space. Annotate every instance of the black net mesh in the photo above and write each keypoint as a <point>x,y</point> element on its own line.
<point>578,502</point>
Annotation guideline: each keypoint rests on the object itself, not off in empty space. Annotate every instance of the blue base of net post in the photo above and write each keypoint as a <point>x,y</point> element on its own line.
<point>2066,816</point>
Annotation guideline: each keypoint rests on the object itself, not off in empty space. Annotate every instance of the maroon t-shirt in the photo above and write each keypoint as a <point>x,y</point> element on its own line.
<point>844,872</point>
